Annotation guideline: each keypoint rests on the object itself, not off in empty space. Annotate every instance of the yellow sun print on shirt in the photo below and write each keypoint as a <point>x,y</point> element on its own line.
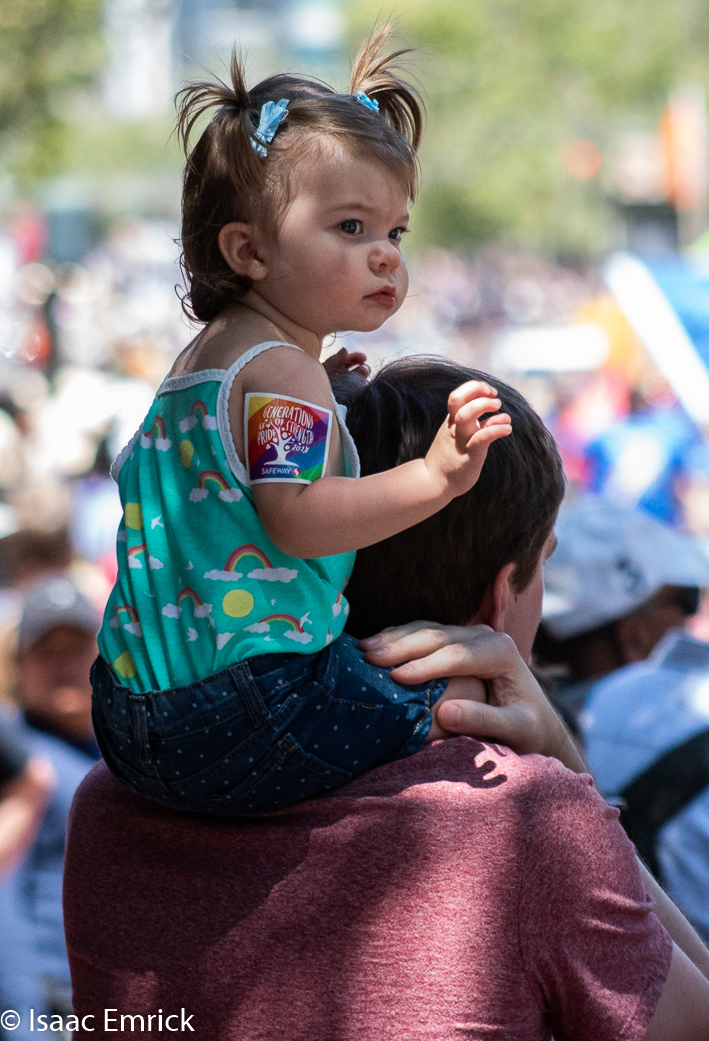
<point>133,515</point>
<point>125,666</point>
<point>238,603</point>
<point>186,453</point>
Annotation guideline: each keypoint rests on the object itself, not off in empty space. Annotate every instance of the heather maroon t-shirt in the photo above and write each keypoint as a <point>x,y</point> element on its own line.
<point>462,892</point>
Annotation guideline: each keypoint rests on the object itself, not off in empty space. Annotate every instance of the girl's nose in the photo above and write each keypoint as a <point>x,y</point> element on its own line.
<point>384,256</point>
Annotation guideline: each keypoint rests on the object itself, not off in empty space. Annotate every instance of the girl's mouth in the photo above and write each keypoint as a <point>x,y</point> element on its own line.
<point>385,297</point>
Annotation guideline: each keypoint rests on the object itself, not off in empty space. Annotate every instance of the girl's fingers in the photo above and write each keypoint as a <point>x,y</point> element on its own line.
<point>466,392</point>
<point>487,434</point>
<point>356,358</point>
<point>498,419</point>
<point>471,412</point>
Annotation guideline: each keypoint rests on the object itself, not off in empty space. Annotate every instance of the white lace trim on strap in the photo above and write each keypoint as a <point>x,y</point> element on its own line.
<point>223,425</point>
<point>125,454</point>
<point>190,379</point>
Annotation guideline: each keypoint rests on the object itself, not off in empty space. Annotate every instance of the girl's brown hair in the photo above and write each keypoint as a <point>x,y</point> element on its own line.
<point>226,180</point>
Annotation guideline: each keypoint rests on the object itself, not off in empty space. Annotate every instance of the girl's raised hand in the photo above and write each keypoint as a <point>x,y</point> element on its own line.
<point>457,455</point>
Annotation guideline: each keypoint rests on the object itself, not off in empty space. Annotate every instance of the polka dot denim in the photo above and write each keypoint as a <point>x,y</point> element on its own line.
<point>262,734</point>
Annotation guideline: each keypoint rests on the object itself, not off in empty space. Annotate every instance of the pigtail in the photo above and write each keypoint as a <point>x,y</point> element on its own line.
<point>223,165</point>
<point>234,119</point>
<point>399,102</point>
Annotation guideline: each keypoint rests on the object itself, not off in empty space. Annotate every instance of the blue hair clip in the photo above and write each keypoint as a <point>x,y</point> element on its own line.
<point>364,99</point>
<point>272,115</point>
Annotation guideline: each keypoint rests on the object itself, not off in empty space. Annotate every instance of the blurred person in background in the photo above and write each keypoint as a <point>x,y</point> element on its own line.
<point>617,582</point>
<point>56,644</point>
<point>619,589</point>
<point>25,785</point>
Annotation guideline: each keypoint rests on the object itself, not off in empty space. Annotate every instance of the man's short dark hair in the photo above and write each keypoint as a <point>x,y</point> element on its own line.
<point>439,569</point>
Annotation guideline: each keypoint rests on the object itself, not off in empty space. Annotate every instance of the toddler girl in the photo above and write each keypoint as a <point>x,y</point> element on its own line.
<point>225,683</point>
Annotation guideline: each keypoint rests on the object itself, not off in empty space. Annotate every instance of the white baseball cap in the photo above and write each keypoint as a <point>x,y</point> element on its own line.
<point>52,602</point>
<point>609,561</point>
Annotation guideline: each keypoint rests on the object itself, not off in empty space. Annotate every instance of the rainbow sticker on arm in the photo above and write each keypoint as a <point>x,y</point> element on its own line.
<point>286,439</point>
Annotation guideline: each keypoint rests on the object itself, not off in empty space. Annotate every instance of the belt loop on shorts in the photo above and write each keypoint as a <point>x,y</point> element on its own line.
<point>253,702</point>
<point>139,719</point>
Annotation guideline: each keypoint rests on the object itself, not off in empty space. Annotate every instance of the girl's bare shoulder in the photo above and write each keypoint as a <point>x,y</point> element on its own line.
<point>222,342</point>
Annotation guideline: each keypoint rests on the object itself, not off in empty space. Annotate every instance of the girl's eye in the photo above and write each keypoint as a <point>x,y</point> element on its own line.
<point>351,227</point>
<point>396,234</point>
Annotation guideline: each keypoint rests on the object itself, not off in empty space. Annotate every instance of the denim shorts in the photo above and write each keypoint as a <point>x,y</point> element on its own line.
<point>262,734</point>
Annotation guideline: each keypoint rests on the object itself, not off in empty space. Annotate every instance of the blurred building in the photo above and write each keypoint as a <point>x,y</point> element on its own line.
<point>153,45</point>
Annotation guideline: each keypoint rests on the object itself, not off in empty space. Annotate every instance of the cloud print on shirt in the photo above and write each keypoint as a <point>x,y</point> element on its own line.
<point>273,574</point>
<point>292,634</point>
<point>258,627</point>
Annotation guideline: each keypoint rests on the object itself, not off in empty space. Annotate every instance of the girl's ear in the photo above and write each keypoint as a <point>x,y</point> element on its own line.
<point>241,252</point>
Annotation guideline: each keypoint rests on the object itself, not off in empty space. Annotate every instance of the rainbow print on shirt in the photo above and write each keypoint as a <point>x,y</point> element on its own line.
<point>294,629</point>
<point>132,625</point>
<point>134,561</point>
<point>157,436</point>
<point>188,595</point>
<point>265,573</point>
<point>287,439</point>
<point>199,411</point>
<point>213,479</point>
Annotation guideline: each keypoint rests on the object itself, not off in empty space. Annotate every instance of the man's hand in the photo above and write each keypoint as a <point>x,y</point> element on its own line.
<point>458,452</point>
<point>517,712</point>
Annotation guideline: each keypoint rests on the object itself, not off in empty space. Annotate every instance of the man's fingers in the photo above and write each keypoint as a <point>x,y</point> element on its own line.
<point>447,661</point>
<point>394,646</point>
<point>509,725</point>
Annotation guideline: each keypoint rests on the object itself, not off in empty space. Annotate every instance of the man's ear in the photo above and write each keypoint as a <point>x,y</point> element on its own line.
<point>241,251</point>
<point>496,599</point>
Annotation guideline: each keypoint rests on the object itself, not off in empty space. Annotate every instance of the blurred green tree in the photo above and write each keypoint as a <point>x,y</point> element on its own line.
<point>510,82</point>
<point>49,49</point>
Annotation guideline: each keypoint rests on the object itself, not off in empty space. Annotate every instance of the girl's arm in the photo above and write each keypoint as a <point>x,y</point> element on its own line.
<point>338,514</point>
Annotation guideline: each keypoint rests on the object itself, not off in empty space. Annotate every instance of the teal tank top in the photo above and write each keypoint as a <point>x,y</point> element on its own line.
<point>200,585</point>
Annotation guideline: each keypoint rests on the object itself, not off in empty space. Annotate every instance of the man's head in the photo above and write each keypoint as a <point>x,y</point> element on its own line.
<point>619,579</point>
<point>56,645</point>
<point>441,569</point>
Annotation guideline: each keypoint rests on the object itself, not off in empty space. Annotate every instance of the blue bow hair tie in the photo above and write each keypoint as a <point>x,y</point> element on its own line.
<point>272,115</point>
<point>368,102</point>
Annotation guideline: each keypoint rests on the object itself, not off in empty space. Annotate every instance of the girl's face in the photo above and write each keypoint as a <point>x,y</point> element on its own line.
<point>337,263</point>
